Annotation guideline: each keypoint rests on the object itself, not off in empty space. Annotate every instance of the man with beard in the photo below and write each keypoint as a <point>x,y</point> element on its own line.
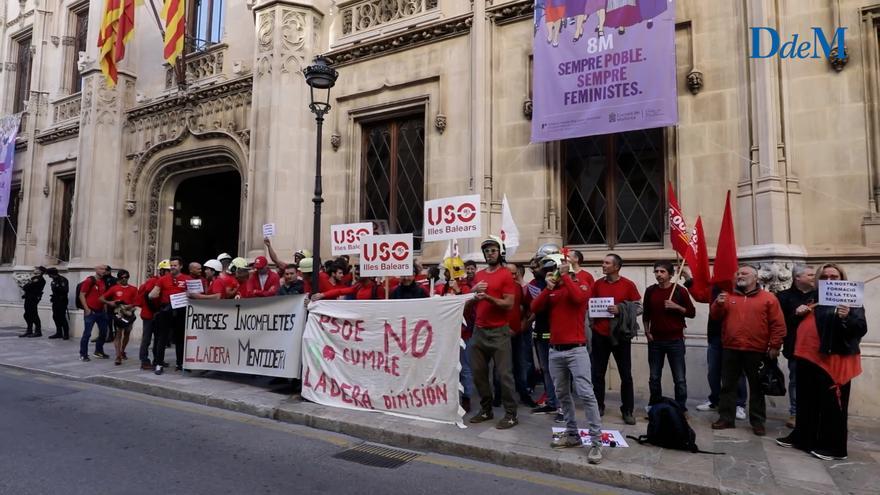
<point>494,288</point>
<point>752,329</point>
<point>170,322</point>
<point>796,304</point>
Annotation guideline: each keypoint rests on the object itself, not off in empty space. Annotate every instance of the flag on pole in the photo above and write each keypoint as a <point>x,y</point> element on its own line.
<point>117,28</point>
<point>174,14</point>
<point>678,233</point>
<point>509,232</point>
<point>726,262</point>
<point>701,288</point>
<point>8,132</point>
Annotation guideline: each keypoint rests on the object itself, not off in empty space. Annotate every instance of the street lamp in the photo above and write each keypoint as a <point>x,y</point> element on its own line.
<point>320,77</point>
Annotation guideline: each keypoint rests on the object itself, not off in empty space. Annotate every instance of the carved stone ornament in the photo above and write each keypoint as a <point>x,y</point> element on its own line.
<point>838,62</point>
<point>775,276</point>
<point>695,81</point>
<point>527,108</point>
<point>440,122</point>
<point>335,141</point>
<point>84,62</point>
<point>55,40</point>
<point>130,207</point>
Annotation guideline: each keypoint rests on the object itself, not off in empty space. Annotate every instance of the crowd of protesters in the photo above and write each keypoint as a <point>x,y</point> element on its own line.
<point>518,335</point>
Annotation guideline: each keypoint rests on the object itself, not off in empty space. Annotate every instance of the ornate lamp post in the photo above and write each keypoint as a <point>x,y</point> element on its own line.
<point>320,77</point>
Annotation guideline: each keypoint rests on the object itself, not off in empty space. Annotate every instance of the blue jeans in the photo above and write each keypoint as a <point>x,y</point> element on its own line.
<point>99,317</point>
<point>673,351</point>
<point>573,366</point>
<point>792,386</point>
<point>543,347</point>
<point>713,359</point>
<point>465,376</point>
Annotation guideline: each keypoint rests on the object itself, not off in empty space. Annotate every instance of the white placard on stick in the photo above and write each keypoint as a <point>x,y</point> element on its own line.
<point>457,217</point>
<point>346,238</point>
<point>837,292</point>
<point>268,230</point>
<point>386,255</point>
<point>194,285</point>
<point>179,300</point>
<point>599,307</point>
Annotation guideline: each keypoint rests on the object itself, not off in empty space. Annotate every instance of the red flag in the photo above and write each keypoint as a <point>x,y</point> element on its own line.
<point>726,263</point>
<point>678,234</point>
<point>701,289</point>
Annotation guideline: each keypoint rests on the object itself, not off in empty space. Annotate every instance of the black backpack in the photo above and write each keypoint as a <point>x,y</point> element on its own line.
<point>79,290</point>
<point>669,428</point>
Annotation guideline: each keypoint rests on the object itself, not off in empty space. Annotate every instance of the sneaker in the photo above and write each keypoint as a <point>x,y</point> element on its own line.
<point>740,412</point>
<point>827,456</point>
<point>595,455</point>
<point>559,418</point>
<point>482,416</point>
<point>101,355</point>
<point>707,406</point>
<point>84,358</point>
<point>629,419</point>
<point>158,370</point>
<point>786,442</point>
<point>506,422</point>
<point>791,422</point>
<point>545,409</point>
<point>565,441</point>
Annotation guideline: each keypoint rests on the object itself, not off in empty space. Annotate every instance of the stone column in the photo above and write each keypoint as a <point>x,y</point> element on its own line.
<point>282,152</point>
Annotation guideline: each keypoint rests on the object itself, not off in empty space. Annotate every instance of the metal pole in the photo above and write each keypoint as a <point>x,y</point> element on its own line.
<point>317,200</point>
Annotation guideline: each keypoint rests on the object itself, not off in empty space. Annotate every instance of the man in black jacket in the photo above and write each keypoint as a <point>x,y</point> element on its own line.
<point>60,289</point>
<point>795,302</point>
<point>33,292</point>
<point>408,289</point>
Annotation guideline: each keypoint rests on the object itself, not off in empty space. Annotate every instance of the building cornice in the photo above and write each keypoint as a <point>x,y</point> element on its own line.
<point>511,11</point>
<point>58,134</point>
<point>179,100</point>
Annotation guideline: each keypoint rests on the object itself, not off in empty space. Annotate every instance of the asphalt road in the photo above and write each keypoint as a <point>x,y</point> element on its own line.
<point>63,437</point>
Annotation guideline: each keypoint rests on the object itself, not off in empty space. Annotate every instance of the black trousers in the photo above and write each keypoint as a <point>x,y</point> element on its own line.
<point>31,316</point>
<point>170,324</point>
<point>733,364</point>
<point>59,316</point>
<point>821,418</point>
<point>599,356</point>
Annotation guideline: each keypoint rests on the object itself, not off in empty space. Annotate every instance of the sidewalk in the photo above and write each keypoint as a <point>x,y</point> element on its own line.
<point>750,465</point>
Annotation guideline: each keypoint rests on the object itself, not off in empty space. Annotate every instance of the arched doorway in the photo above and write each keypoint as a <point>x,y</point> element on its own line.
<point>205,217</point>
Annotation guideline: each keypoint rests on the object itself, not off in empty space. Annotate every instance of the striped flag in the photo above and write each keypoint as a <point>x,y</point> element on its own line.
<point>174,14</point>
<point>117,28</point>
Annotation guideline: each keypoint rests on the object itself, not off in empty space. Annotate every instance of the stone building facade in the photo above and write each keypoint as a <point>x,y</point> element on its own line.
<point>433,100</point>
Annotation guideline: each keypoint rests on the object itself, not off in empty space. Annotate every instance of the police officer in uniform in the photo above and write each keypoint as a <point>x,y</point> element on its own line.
<point>33,292</point>
<point>60,288</point>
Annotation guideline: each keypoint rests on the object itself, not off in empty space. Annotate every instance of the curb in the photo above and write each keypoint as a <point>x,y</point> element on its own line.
<point>514,458</point>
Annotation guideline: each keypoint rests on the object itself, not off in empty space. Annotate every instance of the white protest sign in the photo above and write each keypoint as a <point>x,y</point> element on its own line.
<point>608,436</point>
<point>194,285</point>
<point>837,292</point>
<point>457,217</point>
<point>346,238</point>
<point>268,230</point>
<point>386,255</point>
<point>179,300</point>
<point>259,336</point>
<point>393,356</point>
<point>599,307</point>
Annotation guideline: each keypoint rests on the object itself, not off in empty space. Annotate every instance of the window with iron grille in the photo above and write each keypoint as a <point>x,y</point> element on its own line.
<point>393,158</point>
<point>614,189</point>
<point>80,41</point>
<point>205,24</point>
<point>10,226</point>
<point>22,73</point>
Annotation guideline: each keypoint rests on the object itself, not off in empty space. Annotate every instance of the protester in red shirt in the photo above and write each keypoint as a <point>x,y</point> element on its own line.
<point>94,312</point>
<point>364,289</point>
<point>122,297</point>
<point>263,281</point>
<point>520,343</point>
<point>148,308</point>
<point>242,278</point>
<point>621,290</point>
<point>666,305</point>
<point>169,321</point>
<point>494,288</point>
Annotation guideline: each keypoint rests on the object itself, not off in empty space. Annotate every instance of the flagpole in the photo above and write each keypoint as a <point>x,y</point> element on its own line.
<point>677,278</point>
<point>158,22</point>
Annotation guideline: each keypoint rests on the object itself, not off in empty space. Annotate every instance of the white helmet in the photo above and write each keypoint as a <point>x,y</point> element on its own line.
<point>546,250</point>
<point>214,265</point>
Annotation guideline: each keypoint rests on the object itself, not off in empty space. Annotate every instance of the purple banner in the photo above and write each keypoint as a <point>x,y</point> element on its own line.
<point>8,132</point>
<point>603,66</point>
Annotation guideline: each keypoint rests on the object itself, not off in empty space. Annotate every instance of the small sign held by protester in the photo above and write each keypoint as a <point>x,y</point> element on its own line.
<point>599,307</point>
<point>194,286</point>
<point>179,300</point>
<point>837,292</point>
<point>268,230</point>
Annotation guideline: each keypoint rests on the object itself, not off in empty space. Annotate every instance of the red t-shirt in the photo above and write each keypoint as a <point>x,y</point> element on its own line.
<point>567,305</point>
<point>245,290</point>
<point>143,290</point>
<point>324,283</point>
<point>93,287</point>
<point>124,294</point>
<point>500,283</point>
<point>515,314</point>
<point>584,277</point>
<point>169,285</point>
<point>622,290</point>
<point>226,285</point>
<point>362,291</point>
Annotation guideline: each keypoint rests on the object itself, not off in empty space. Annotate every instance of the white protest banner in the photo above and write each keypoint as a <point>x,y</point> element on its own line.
<point>509,230</point>
<point>599,307</point>
<point>386,255</point>
<point>179,300</point>
<point>393,356</point>
<point>457,217</point>
<point>346,238</point>
<point>268,230</point>
<point>259,336</point>
<point>194,286</point>
<point>837,292</point>
<point>609,438</point>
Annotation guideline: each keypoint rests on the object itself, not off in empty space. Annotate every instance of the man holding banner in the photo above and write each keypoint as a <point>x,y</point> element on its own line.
<point>494,288</point>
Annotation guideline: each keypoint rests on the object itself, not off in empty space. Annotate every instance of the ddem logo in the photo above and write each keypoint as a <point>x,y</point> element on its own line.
<point>767,43</point>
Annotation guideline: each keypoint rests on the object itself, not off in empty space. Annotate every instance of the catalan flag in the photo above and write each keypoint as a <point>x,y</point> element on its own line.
<point>173,11</point>
<point>117,28</point>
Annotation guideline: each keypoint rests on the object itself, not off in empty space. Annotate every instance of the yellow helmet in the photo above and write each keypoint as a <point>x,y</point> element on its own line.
<point>164,265</point>
<point>305,253</point>
<point>238,264</point>
<point>306,265</point>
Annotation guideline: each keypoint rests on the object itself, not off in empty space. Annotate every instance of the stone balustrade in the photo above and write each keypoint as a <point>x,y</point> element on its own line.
<point>67,108</point>
<point>367,15</point>
<point>201,66</point>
